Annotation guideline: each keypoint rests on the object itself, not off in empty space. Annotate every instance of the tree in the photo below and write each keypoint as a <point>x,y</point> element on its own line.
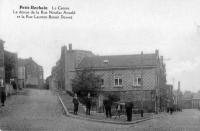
<point>84,82</point>
<point>113,97</point>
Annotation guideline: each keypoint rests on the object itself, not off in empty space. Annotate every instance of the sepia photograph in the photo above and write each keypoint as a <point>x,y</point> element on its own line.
<point>99,65</point>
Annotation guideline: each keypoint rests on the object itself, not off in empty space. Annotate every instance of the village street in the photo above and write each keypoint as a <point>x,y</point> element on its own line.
<point>40,110</point>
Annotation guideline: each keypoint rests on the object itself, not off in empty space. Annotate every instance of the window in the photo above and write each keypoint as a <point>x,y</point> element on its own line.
<point>118,81</point>
<point>102,82</point>
<point>137,81</point>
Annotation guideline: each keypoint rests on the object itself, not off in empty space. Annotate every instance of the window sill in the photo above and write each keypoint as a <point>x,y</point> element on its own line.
<point>118,86</point>
<point>136,86</point>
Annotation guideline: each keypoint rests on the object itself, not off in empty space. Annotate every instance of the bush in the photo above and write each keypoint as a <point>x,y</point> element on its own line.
<point>70,93</point>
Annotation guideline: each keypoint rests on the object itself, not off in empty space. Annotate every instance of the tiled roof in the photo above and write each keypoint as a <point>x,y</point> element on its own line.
<point>118,61</point>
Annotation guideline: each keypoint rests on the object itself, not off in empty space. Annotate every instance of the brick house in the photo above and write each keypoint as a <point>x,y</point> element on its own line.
<point>139,78</point>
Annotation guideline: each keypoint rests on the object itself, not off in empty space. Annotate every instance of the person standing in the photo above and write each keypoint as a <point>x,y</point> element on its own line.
<point>88,104</point>
<point>2,93</point>
<point>129,106</point>
<point>107,105</point>
<point>119,110</point>
<point>14,86</point>
<point>76,103</point>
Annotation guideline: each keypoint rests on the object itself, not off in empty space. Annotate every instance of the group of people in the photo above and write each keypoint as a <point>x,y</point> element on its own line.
<point>107,106</point>
<point>88,104</point>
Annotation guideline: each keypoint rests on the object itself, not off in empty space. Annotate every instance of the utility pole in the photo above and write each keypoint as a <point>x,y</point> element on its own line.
<point>142,90</point>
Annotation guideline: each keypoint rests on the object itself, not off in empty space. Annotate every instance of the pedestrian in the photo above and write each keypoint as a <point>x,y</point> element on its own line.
<point>141,112</point>
<point>76,103</point>
<point>119,110</point>
<point>2,92</point>
<point>129,106</point>
<point>107,105</point>
<point>14,86</point>
<point>171,110</point>
<point>88,104</point>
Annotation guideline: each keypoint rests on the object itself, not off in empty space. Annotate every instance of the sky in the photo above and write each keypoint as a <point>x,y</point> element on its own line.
<point>111,27</point>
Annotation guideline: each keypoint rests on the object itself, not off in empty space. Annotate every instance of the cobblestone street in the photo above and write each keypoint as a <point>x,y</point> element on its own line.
<point>187,120</point>
<point>40,110</point>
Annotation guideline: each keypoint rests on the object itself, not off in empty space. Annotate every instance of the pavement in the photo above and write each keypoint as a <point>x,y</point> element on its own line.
<point>66,102</point>
<point>39,110</point>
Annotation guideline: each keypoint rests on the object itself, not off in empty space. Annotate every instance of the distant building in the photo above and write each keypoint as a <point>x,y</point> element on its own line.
<point>30,74</point>
<point>187,100</point>
<point>178,97</point>
<point>196,100</point>
<point>167,97</point>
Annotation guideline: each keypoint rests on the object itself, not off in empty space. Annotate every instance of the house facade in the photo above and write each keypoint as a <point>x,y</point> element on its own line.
<point>64,70</point>
<point>2,70</point>
<point>138,78</point>
<point>30,73</point>
<point>187,100</point>
<point>178,96</point>
<point>196,101</point>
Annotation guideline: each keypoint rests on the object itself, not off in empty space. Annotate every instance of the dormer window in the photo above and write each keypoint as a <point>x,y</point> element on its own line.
<point>105,61</point>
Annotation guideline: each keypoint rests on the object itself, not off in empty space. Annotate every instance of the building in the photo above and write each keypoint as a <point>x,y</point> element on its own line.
<point>11,66</point>
<point>187,100</point>
<point>178,96</point>
<point>30,74</point>
<point>196,101</point>
<point>64,70</point>
<point>8,68</point>
<point>167,97</point>
<point>2,71</point>
<point>139,77</point>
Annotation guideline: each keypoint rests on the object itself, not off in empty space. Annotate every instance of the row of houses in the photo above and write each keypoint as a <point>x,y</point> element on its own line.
<point>191,100</point>
<point>135,77</point>
<point>24,72</point>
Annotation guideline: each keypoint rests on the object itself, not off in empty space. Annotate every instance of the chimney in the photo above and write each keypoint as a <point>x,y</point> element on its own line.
<point>161,59</point>
<point>157,52</point>
<point>179,85</point>
<point>2,42</point>
<point>63,50</point>
<point>70,46</point>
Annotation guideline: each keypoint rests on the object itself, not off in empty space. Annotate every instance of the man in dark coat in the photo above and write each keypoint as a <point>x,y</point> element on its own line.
<point>107,105</point>
<point>2,93</point>
<point>88,104</point>
<point>129,106</point>
<point>14,86</point>
<point>76,103</point>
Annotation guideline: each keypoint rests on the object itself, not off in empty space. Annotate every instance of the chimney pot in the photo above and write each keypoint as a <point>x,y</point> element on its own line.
<point>157,52</point>
<point>70,46</point>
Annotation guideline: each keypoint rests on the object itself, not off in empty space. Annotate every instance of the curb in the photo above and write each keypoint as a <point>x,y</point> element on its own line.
<point>63,106</point>
<point>102,121</point>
